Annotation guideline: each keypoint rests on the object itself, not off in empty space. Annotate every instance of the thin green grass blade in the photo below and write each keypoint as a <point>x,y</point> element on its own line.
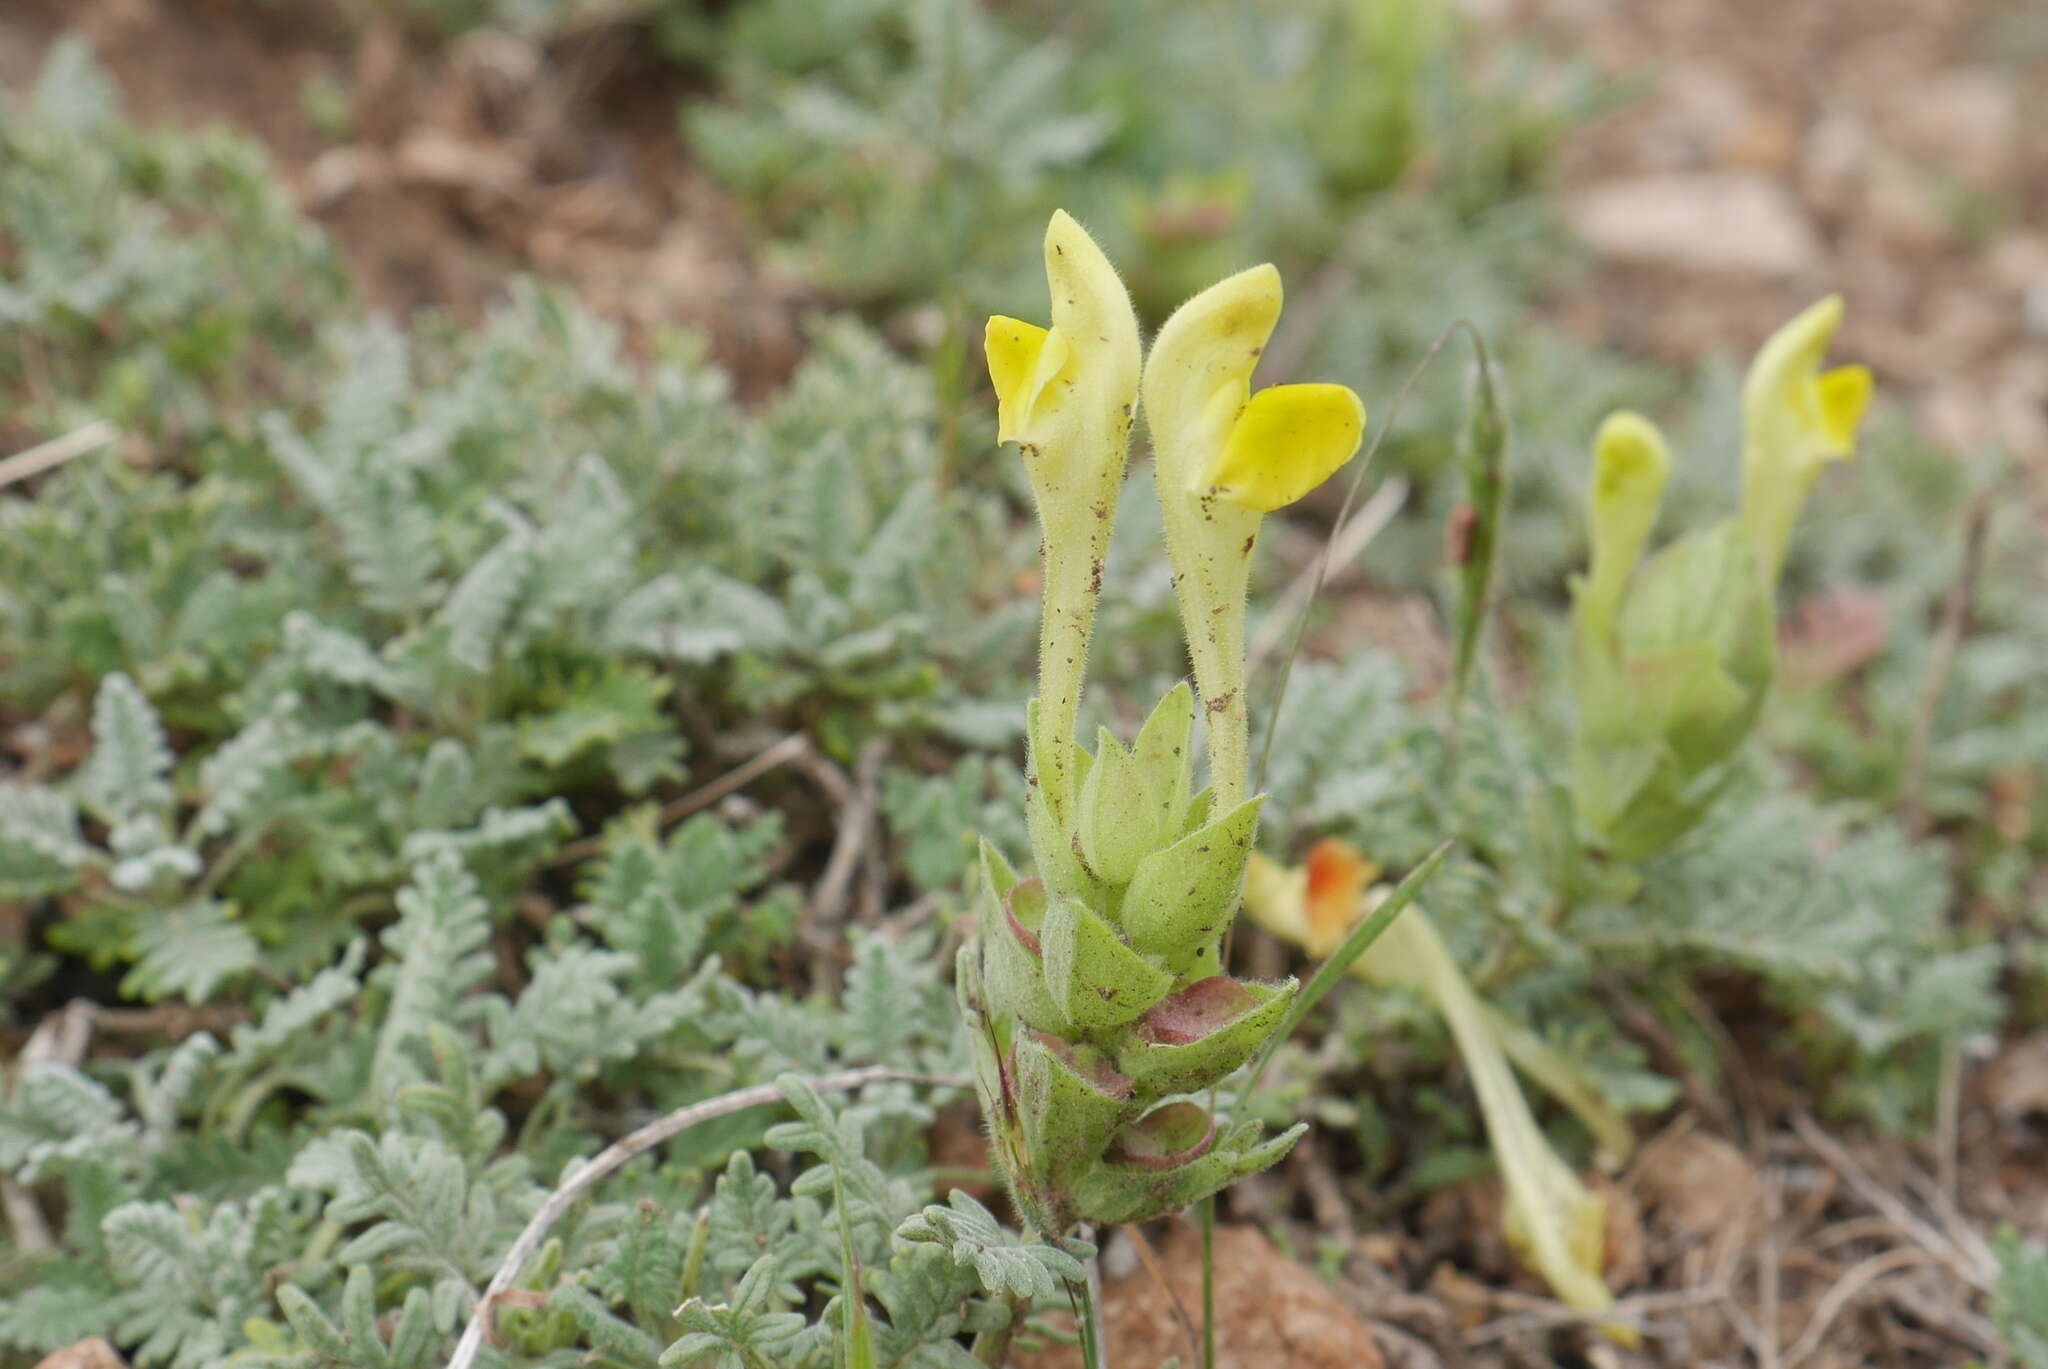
<point>1209,1282</point>
<point>1351,495</point>
<point>1474,543</point>
<point>1355,945</point>
<point>853,1305</point>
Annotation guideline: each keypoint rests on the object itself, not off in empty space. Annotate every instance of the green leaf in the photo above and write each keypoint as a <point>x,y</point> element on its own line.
<point>128,775</point>
<point>41,851</point>
<point>188,950</point>
<point>1006,1264</point>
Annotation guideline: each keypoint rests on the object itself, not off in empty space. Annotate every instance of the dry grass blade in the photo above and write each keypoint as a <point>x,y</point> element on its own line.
<point>54,453</point>
<point>1338,533</point>
<point>1847,1289</point>
<point>1346,546</point>
<point>1948,639</point>
<point>826,909</point>
<point>1929,1238</point>
<point>1148,1257</point>
<point>782,752</point>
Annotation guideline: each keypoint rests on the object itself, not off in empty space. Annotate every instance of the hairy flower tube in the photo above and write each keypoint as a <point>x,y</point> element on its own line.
<point>1067,396</point>
<point>1673,657</point>
<point>1224,457</point>
<point>1093,990</point>
<point>1556,1224</point>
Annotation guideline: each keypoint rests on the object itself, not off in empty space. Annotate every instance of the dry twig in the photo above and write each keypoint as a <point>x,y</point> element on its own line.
<point>1542,1314</point>
<point>1935,1242</point>
<point>1768,1271</point>
<point>58,450</point>
<point>1847,1289</point>
<point>779,753</point>
<point>826,910</point>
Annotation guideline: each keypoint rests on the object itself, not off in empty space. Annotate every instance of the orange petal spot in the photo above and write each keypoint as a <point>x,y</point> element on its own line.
<point>1337,876</point>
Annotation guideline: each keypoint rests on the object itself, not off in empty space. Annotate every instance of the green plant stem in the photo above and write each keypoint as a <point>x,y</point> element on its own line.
<point>1094,1354</point>
<point>1209,1282</point>
<point>316,1251</point>
<point>1230,742</point>
<point>693,1259</point>
<point>992,1348</point>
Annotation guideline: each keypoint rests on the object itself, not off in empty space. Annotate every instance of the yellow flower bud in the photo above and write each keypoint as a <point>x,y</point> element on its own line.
<point>1631,466</point>
<point>1022,359</point>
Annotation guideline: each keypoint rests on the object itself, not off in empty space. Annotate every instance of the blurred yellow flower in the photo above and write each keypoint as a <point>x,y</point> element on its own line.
<point>1796,419</point>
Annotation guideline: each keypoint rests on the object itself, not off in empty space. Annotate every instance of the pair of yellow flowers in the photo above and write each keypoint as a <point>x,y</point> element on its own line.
<point>1215,438</point>
<point>1224,457</point>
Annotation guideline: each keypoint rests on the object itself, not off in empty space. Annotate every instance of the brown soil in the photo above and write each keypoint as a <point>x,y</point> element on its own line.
<point>461,165</point>
<point>1887,150</point>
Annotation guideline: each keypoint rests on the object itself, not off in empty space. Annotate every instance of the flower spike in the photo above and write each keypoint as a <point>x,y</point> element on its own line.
<point>1631,466</point>
<point>1094,991</point>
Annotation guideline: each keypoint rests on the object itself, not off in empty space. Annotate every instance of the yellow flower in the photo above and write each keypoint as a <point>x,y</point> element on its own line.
<point>1078,380</point>
<point>1067,396</point>
<point>1223,458</point>
<point>1214,438</point>
<point>1796,419</point>
<point>1023,359</point>
<point>1286,441</point>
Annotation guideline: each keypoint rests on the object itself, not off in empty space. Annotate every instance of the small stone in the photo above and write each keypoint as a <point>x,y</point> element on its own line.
<point>1833,161</point>
<point>2016,1084</point>
<point>94,1353</point>
<point>1696,1187</point>
<point>2019,261</point>
<point>1964,123</point>
<point>1721,223</point>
